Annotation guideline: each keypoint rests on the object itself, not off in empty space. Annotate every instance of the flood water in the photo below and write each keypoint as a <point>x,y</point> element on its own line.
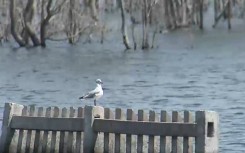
<point>188,71</point>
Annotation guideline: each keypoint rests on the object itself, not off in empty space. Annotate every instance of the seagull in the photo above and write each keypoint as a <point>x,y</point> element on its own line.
<point>94,94</point>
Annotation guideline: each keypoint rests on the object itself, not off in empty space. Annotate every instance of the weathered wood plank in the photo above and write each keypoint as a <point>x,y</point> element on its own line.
<point>141,117</point>
<point>106,135</point>
<point>118,116</point>
<point>108,114</point>
<point>130,116</point>
<point>79,134</point>
<point>208,133</point>
<point>29,132</point>
<point>187,142</point>
<point>37,136</point>
<point>70,134</point>
<point>151,137</point>
<point>90,136</point>
<point>49,124</point>
<point>175,115</point>
<point>54,133</point>
<point>8,133</point>
<point>111,135</point>
<point>21,133</point>
<point>145,128</point>
<point>164,141</point>
<point>177,142</point>
<point>45,133</point>
<point>62,134</point>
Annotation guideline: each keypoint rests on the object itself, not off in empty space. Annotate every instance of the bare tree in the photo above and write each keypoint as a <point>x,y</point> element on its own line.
<point>32,22</point>
<point>72,22</point>
<point>145,43</point>
<point>223,9</point>
<point>93,9</point>
<point>28,16</point>
<point>13,19</point>
<point>201,14</point>
<point>45,19</point>
<point>124,29</point>
<point>146,14</point>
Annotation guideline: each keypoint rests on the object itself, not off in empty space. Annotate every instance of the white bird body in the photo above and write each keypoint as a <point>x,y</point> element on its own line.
<point>96,93</point>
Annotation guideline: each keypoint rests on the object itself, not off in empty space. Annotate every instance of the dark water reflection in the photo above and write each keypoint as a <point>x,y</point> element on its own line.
<point>189,71</point>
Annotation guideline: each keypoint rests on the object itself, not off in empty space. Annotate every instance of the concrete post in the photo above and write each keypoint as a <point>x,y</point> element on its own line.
<point>10,109</point>
<point>90,136</point>
<point>207,140</point>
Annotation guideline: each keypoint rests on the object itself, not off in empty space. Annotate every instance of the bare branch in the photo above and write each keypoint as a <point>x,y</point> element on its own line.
<point>72,36</point>
<point>151,7</point>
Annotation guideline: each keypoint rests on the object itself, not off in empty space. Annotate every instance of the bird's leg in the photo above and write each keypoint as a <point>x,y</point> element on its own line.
<point>95,102</point>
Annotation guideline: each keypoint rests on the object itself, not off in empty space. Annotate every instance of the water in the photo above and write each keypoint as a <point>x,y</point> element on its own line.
<point>188,71</point>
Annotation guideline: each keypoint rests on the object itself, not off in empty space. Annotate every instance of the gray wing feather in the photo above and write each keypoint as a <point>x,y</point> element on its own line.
<point>91,94</point>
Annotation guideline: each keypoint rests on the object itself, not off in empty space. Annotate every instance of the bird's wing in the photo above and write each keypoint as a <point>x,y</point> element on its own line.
<point>91,94</point>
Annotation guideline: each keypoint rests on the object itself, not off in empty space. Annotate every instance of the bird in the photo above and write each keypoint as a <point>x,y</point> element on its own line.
<point>94,94</point>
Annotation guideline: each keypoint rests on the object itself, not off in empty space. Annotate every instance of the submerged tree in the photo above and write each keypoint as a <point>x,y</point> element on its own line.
<point>124,29</point>
<point>32,22</point>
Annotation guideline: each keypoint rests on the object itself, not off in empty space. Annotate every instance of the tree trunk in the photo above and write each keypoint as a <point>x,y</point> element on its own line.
<point>43,31</point>
<point>173,17</point>
<point>166,14</point>
<point>222,14</point>
<point>184,13</point>
<point>28,16</point>
<point>93,9</point>
<point>201,14</point>
<point>44,23</point>
<point>215,9</point>
<point>145,42</point>
<point>177,8</point>
<point>124,30</point>
<point>13,19</point>
<point>72,23</point>
<point>229,14</point>
<point>133,23</point>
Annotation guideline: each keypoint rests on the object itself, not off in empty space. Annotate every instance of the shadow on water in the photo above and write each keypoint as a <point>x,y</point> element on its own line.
<point>188,71</point>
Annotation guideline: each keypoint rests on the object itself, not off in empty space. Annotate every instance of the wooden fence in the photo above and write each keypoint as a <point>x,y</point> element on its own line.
<point>97,129</point>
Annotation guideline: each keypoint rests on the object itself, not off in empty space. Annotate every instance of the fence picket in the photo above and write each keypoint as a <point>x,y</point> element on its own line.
<point>79,134</point>
<point>177,142</point>
<point>164,141</point>
<point>45,133</point>
<point>37,136</point>
<point>54,133</point>
<point>151,138</point>
<point>10,110</point>
<point>187,142</point>
<point>108,114</point>
<point>118,116</point>
<point>106,135</point>
<point>62,146</point>
<point>22,133</point>
<point>130,116</point>
<point>70,134</point>
<point>174,139</point>
<point>141,117</point>
<point>29,132</point>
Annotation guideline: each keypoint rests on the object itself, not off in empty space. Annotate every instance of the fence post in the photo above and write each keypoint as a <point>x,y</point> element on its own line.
<point>10,109</point>
<point>90,135</point>
<point>207,132</point>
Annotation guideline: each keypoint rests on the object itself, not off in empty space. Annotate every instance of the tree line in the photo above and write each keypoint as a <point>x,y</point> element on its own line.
<point>33,22</point>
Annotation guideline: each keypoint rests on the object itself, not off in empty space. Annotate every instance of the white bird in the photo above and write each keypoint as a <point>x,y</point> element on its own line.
<point>96,93</point>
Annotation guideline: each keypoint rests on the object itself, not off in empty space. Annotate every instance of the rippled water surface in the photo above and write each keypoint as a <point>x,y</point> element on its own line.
<point>188,71</point>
